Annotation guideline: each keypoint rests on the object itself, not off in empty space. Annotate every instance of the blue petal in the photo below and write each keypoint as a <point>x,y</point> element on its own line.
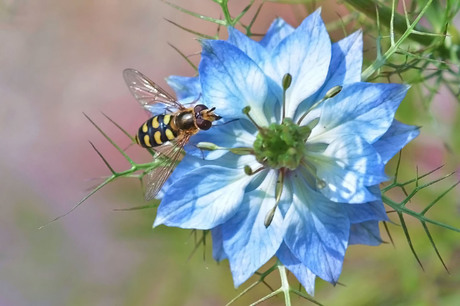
<point>303,274</point>
<point>250,47</point>
<point>346,62</point>
<point>203,198</point>
<point>247,242</point>
<point>305,54</point>
<point>344,69</point>
<point>191,162</point>
<point>372,211</point>
<point>187,164</point>
<point>367,233</point>
<point>364,109</point>
<point>347,167</point>
<point>224,74</point>
<point>278,30</point>
<point>188,89</point>
<point>397,136</point>
<point>317,231</point>
<point>218,252</point>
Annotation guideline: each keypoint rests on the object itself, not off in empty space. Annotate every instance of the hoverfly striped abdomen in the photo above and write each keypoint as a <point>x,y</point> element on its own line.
<point>175,128</point>
<point>156,131</point>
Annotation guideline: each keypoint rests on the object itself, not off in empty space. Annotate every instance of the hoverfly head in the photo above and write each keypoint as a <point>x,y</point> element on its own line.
<point>205,116</point>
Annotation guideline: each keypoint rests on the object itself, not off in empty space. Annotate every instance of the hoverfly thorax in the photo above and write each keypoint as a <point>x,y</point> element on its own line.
<point>185,120</point>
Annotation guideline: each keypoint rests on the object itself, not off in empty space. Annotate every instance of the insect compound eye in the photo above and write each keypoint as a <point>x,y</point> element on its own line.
<point>198,109</point>
<point>203,124</point>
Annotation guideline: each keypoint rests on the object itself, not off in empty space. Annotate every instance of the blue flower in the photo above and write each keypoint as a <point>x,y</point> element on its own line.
<point>297,174</point>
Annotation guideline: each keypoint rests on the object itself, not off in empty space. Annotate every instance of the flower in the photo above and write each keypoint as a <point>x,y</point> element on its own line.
<point>294,172</point>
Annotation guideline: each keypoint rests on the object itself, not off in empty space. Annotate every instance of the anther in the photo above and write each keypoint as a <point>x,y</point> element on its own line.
<point>246,110</point>
<point>278,191</point>
<point>286,83</point>
<point>248,170</point>
<point>287,80</point>
<point>321,184</point>
<point>332,92</point>
<point>329,94</point>
<point>269,217</point>
<point>208,146</point>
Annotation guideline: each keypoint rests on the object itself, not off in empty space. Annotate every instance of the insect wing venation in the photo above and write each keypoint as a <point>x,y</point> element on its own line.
<point>171,155</point>
<point>146,92</point>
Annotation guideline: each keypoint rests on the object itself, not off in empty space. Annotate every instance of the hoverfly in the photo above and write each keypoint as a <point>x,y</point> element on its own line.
<point>168,133</point>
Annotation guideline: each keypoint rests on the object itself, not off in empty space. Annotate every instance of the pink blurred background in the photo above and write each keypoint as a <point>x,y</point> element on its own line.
<point>57,60</point>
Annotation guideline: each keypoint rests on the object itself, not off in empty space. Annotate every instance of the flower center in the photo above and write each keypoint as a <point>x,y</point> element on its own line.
<point>281,145</point>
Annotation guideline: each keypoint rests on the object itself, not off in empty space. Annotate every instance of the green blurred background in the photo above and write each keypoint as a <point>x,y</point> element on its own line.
<point>61,58</point>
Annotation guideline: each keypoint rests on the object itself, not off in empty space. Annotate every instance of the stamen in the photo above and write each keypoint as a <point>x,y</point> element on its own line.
<point>246,111</point>
<point>329,94</point>
<point>242,151</point>
<point>209,146</point>
<point>320,183</point>
<point>278,191</point>
<point>287,80</point>
<point>248,170</point>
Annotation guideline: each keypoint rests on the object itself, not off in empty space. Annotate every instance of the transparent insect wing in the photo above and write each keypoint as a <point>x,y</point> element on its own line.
<point>172,154</point>
<point>147,93</point>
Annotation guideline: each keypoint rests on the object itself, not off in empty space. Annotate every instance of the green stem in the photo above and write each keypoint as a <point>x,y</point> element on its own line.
<point>224,6</point>
<point>380,61</point>
<point>400,209</point>
<point>368,8</point>
<point>285,285</point>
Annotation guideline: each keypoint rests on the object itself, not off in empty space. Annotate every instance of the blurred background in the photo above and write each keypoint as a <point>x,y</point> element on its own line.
<point>59,59</point>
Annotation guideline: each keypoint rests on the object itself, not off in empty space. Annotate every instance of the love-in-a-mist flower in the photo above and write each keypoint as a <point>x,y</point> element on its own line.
<point>295,170</point>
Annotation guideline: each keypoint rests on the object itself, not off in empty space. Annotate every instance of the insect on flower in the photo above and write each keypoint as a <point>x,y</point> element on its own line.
<point>166,133</point>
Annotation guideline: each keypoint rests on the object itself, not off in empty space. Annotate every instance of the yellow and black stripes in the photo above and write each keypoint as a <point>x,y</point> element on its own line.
<point>156,131</point>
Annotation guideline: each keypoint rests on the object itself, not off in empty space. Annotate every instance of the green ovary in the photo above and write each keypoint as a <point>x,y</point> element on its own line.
<point>281,145</point>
